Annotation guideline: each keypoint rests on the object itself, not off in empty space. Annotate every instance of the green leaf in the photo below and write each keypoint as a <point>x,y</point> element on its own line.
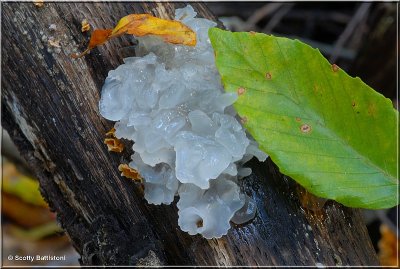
<point>330,132</point>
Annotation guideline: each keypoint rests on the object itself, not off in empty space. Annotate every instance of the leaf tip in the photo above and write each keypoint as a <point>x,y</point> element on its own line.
<point>305,128</point>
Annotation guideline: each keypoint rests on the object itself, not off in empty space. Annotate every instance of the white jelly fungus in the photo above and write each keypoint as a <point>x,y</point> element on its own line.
<point>169,100</point>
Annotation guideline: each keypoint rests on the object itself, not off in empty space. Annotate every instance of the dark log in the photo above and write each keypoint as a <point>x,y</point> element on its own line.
<point>50,109</point>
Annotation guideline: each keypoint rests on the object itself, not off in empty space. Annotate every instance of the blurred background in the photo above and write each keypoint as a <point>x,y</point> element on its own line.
<point>358,37</point>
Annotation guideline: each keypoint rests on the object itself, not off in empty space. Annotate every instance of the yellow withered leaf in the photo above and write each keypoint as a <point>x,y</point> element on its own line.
<point>170,31</point>
<point>99,36</point>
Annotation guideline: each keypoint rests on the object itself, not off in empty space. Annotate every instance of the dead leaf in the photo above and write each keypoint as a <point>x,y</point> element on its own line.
<point>170,31</point>
<point>388,247</point>
<point>99,37</point>
<point>25,214</point>
<point>85,26</point>
<point>129,172</point>
<point>20,185</point>
<point>36,233</point>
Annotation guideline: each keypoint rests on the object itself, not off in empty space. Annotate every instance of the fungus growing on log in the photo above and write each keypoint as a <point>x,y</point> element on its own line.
<point>170,101</point>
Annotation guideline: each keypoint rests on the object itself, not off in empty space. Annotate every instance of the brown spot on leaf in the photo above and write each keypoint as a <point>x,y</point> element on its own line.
<point>305,128</point>
<point>316,88</point>
<point>268,76</point>
<point>335,68</point>
<point>243,120</point>
<point>252,33</point>
<point>353,104</point>
<point>298,119</point>
<point>129,172</point>
<point>241,91</point>
<point>371,109</point>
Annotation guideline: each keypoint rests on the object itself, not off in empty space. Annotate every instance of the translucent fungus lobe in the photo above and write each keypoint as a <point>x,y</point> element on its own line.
<point>169,100</point>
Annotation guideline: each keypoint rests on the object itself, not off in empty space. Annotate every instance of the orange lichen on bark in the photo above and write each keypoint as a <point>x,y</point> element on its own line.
<point>170,31</point>
<point>129,172</point>
<point>113,143</point>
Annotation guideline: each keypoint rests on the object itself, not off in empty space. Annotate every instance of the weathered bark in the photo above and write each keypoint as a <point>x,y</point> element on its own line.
<point>50,108</point>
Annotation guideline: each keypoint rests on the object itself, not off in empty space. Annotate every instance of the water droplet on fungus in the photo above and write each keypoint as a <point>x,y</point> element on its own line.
<point>268,76</point>
<point>241,91</point>
<point>335,68</point>
<point>305,128</point>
